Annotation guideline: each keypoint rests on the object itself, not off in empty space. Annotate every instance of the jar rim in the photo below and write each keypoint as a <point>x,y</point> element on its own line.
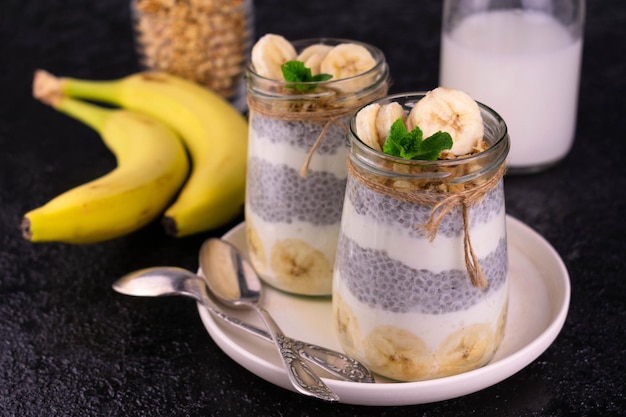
<point>485,109</point>
<point>496,153</point>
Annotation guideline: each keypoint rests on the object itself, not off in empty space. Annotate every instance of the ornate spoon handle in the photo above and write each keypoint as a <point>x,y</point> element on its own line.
<point>336,363</point>
<point>301,376</point>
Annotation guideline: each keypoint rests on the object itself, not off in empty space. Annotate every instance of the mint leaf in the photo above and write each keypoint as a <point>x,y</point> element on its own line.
<point>409,145</point>
<point>296,72</point>
<point>433,145</point>
<point>402,143</point>
<point>321,77</point>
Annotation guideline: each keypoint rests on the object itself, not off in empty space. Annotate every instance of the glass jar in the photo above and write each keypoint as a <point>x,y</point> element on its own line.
<point>205,41</point>
<point>420,281</point>
<point>296,172</point>
<point>514,54</point>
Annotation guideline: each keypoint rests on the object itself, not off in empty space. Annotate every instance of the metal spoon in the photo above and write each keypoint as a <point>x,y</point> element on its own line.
<point>170,281</point>
<point>234,282</point>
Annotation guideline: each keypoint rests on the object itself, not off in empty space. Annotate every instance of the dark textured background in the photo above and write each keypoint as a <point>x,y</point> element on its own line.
<point>70,346</point>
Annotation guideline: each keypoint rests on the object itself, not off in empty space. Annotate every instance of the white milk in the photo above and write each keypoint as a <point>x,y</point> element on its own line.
<point>525,65</point>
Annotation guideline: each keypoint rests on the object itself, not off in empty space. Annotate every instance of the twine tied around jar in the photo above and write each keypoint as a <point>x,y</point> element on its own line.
<point>314,113</point>
<point>442,203</point>
<point>334,120</point>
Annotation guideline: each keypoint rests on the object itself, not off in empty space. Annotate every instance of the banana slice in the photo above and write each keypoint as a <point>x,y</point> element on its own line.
<point>467,349</point>
<point>348,60</point>
<point>346,326</point>
<point>452,111</point>
<point>387,115</point>
<point>366,128</point>
<point>269,53</point>
<point>299,266</point>
<point>255,247</point>
<point>399,354</point>
<point>313,55</point>
<point>501,325</point>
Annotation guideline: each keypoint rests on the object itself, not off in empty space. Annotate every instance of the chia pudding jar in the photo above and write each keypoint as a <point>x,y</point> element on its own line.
<point>296,173</point>
<point>420,281</point>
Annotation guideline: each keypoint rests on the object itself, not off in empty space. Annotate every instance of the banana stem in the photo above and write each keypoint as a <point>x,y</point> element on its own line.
<point>47,88</point>
<point>106,91</point>
<point>53,91</point>
<point>90,114</point>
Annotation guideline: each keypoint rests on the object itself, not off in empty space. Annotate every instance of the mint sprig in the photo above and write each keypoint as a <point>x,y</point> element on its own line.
<point>296,72</point>
<point>409,145</point>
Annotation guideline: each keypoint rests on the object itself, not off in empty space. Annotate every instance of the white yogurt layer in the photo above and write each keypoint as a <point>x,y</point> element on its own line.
<point>443,253</point>
<point>281,153</point>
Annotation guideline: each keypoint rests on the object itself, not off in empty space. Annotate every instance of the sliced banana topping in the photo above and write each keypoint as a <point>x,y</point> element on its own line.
<point>313,55</point>
<point>341,61</point>
<point>346,325</point>
<point>398,354</point>
<point>387,115</point>
<point>466,349</point>
<point>442,109</point>
<point>255,247</point>
<point>269,53</point>
<point>452,111</point>
<point>502,320</point>
<point>299,266</point>
<point>366,128</point>
<point>348,60</point>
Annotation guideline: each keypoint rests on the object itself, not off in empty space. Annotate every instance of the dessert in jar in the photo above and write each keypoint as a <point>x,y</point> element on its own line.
<point>420,282</point>
<point>301,96</point>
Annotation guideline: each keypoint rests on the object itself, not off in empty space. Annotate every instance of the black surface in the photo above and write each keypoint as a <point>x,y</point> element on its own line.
<point>70,346</point>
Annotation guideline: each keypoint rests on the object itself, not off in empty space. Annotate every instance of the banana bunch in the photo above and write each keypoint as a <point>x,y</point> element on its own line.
<point>442,109</point>
<point>213,132</point>
<point>151,167</point>
<point>341,61</point>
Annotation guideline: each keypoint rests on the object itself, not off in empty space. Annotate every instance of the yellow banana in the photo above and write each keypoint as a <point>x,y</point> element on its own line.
<point>214,132</point>
<point>151,167</point>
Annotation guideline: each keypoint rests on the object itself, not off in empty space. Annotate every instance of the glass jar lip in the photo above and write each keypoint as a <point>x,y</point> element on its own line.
<point>493,147</point>
<point>299,44</point>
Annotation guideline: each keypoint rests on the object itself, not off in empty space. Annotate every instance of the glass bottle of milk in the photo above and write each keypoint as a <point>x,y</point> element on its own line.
<point>297,152</point>
<point>522,58</point>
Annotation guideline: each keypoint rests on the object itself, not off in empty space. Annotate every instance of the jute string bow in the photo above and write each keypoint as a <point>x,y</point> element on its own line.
<point>442,204</point>
<point>310,113</point>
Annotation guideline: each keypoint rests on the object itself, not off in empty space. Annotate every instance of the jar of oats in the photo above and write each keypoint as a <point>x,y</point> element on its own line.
<point>205,41</point>
<point>297,153</point>
<point>420,281</point>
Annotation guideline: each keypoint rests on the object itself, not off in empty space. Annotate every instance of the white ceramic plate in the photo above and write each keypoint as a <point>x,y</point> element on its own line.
<point>538,305</point>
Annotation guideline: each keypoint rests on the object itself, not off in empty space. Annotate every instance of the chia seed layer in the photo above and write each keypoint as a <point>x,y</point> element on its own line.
<point>381,208</point>
<point>384,283</point>
<point>301,134</point>
<point>277,193</point>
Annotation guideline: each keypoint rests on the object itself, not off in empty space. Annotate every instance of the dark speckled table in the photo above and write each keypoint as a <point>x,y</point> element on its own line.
<point>70,346</point>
